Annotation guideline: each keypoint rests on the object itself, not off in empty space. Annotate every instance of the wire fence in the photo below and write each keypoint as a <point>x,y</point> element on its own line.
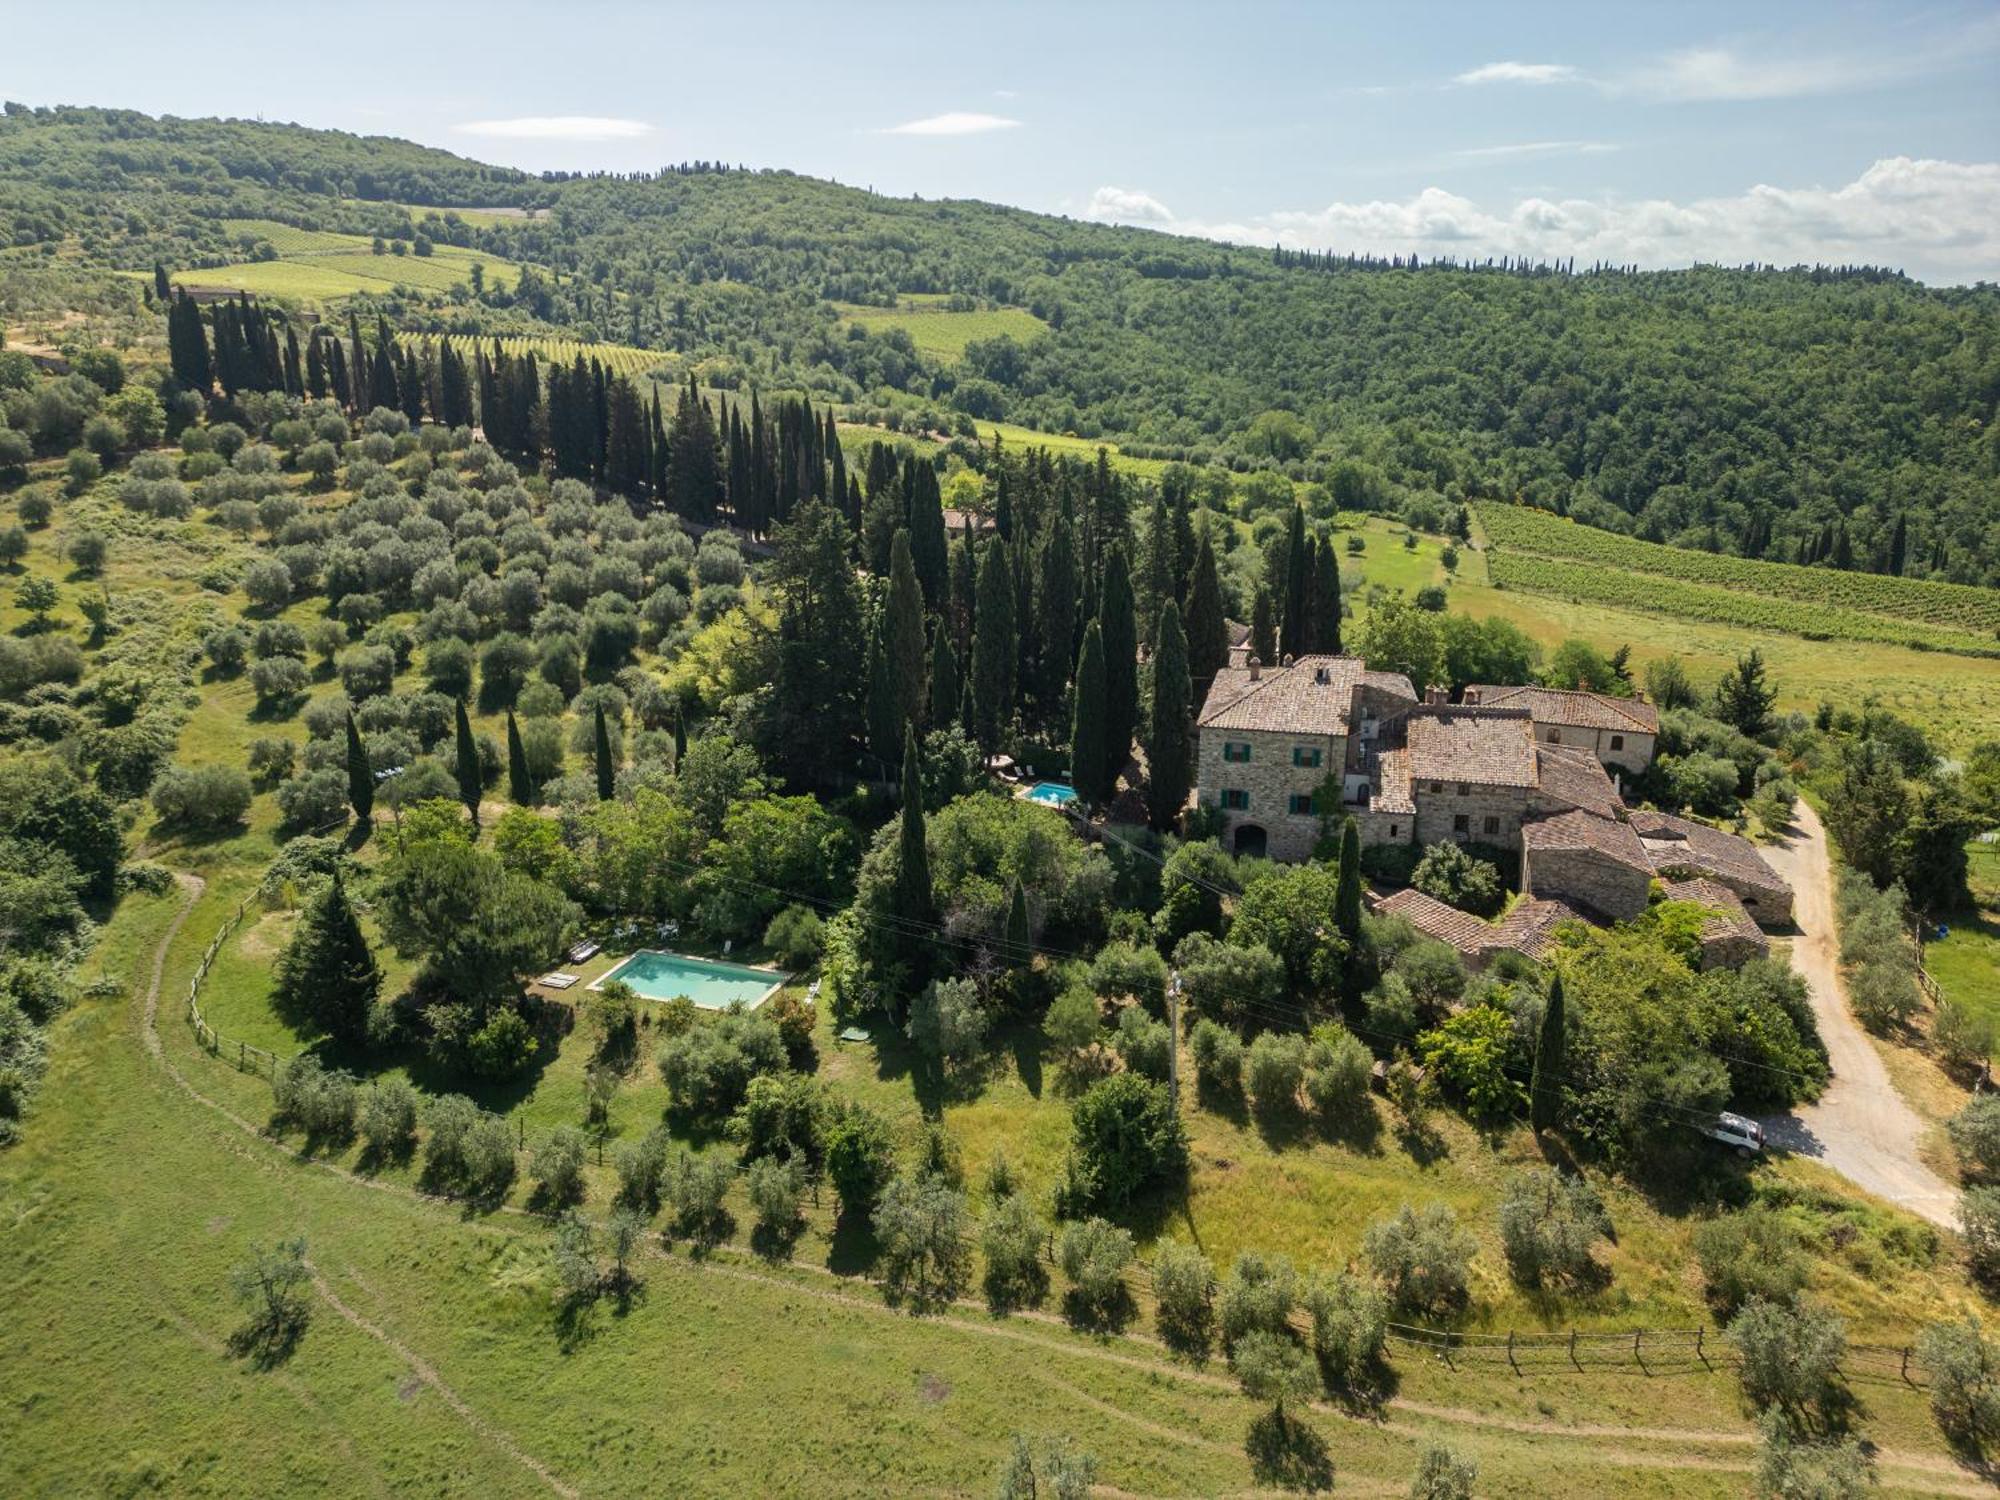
<point>246,1057</point>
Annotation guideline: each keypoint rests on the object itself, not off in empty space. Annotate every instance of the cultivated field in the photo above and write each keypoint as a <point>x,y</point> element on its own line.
<point>315,265</point>
<point>937,331</point>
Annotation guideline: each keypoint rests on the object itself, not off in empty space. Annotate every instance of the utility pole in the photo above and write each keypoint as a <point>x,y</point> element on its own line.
<point>1174,1037</point>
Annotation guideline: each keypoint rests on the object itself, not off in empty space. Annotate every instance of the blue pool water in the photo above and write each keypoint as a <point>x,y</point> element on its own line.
<point>712,986</point>
<point>1052,794</point>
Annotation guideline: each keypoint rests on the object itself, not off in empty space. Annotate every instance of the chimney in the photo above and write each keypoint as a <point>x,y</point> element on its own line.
<point>1436,697</point>
<point>1472,697</point>
<point>1256,667</point>
<point>1287,661</point>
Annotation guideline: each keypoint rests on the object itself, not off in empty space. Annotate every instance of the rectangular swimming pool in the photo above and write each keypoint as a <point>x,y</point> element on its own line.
<point>1051,794</point>
<point>657,975</point>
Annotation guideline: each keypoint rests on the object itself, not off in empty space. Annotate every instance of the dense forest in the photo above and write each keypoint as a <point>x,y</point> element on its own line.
<point>1843,418</point>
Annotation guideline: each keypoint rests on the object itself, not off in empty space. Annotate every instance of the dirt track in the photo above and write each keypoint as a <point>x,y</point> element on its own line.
<point>1860,1126</point>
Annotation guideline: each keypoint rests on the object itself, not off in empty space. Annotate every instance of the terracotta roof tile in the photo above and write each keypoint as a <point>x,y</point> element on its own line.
<point>1472,745</point>
<point>1727,915</point>
<point>1570,706</point>
<point>1430,916</point>
<point>1566,774</point>
<point>1312,696</point>
<point>1530,927</point>
<point>1677,844</point>
<point>1581,830</point>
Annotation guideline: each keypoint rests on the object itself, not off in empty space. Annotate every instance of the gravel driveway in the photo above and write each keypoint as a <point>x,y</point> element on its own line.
<point>1860,1126</point>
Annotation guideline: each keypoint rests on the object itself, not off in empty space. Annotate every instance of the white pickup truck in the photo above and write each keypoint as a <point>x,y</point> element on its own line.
<point>1745,1134</point>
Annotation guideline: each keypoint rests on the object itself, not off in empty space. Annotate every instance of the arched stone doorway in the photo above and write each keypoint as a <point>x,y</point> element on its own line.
<point>1251,839</point>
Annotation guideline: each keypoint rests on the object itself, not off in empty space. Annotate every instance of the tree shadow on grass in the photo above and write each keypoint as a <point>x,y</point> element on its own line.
<point>853,1248</point>
<point>575,1321</point>
<point>1368,1392</point>
<point>1282,1125</point>
<point>268,1342</point>
<point>1359,1128</point>
<point>1285,1452</point>
<point>776,1242</point>
<point>1109,1315</point>
<point>1028,1045</point>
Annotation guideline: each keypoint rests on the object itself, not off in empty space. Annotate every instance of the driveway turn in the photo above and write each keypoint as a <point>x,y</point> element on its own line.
<point>1861,1127</point>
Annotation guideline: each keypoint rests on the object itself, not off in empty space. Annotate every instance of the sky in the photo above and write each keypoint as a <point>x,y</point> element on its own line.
<point>1658,134</point>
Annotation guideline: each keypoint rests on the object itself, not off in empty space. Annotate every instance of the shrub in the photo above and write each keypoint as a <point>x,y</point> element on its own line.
<point>641,1166</point>
<point>1469,1055</point>
<point>278,679</point>
<point>228,647</point>
<point>469,1152</point>
<point>1257,1296</point>
<point>1277,1067</point>
<point>389,1117</point>
<point>1144,1044</point>
<point>201,797</point>
<point>1789,1355</point>
<point>319,1102</point>
<point>860,1155</point>
<point>1979,1219</point>
<point>695,1187</point>
<point>1964,1036</point>
<point>1011,1242</point>
<point>923,1228</point>
<point>1218,1059</point>
<point>1094,1255</point>
<point>1963,1367</point>
<point>1350,1328</point>
<point>948,1021</point>
<point>1421,1257</point>
<point>795,935</point>
<point>1793,1465</point>
<point>776,1188</point>
<point>1752,1254</point>
<point>1975,1136</point>
<point>268,583</point>
<point>1131,971</point>
<point>557,1167</point>
<point>1337,1071</point>
<point>1126,1140</point>
<point>1549,1225</point>
<point>707,1068</point>
<point>502,1047</point>
<point>1073,1021</point>
<point>1441,1473</point>
<point>313,800</point>
<point>1181,1281</point>
<point>1448,874</point>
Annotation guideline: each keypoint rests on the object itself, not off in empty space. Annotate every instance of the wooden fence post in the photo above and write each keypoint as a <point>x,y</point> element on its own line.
<point>1572,1348</point>
<point>1510,1351</point>
<point>1906,1362</point>
<point>1637,1334</point>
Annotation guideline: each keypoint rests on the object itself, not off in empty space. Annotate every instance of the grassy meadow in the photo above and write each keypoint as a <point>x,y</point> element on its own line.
<point>935,329</point>
<point>320,266</point>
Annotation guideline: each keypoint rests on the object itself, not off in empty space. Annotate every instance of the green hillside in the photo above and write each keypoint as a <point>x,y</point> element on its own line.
<point>1735,411</point>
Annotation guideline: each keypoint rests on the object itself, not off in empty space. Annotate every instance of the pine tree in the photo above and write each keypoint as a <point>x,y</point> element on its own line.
<point>1121,664</point>
<point>1743,698</point>
<point>993,647</point>
<point>1088,762</point>
<point>915,901</point>
<point>1169,756</point>
<point>607,769</point>
<point>944,685</point>
<point>470,781</point>
<point>327,977</point>
<point>520,785</point>
<point>1545,1091</point>
<point>1347,890</point>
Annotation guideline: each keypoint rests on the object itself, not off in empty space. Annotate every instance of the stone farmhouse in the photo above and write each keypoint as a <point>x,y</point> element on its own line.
<point>1534,771</point>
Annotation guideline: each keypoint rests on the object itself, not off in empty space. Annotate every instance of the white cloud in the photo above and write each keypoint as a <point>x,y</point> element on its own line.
<point>1538,148</point>
<point>557,128</point>
<point>1939,220</point>
<point>1519,72</point>
<point>1006,93</point>
<point>1702,74</point>
<point>954,122</point>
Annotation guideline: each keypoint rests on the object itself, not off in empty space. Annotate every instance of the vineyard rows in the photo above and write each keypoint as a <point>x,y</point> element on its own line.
<point>618,359</point>
<point>1599,582</point>
<point>1916,601</point>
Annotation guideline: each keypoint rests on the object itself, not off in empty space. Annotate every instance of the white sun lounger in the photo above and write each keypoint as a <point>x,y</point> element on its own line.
<point>588,948</point>
<point>557,981</point>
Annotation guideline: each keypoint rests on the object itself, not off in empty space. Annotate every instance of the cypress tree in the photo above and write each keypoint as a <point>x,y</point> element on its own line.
<point>1263,629</point>
<point>944,678</point>
<point>1088,763</point>
<point>470,781</point>
<point>1020,951</point>
<point>993,647</point>
<point>1545,1091</point>
<point>1325,622</point>
<point>914,898</point>
<point>1207,626</point>
<point>1157,577</point>
<point>327,976</point>
<point>162,288</point>
<point>520,786</point>
<point>1055,616</point>
<point>1169,756</point>
<point>1121,664</point>
<point>607,772</point>
<point>1292,619</point>
<point>360,775</point>
<point>1347,890</point>
<point>924,514</point>
<point>903,637</point>
<point>1899,542</point>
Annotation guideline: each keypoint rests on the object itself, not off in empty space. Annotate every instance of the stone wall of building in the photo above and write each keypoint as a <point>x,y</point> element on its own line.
<point>1633,752</point>
<point>1270,780</point>
<point>1492,813</point>
<point>1586,877</point>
